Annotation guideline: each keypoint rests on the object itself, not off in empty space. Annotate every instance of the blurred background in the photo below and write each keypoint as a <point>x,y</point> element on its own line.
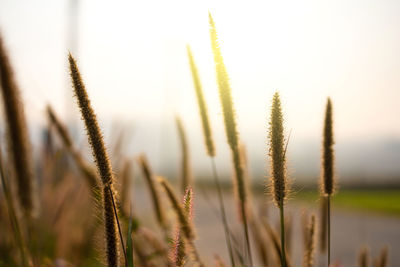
<point>133,58</point>
<point>132,55</point>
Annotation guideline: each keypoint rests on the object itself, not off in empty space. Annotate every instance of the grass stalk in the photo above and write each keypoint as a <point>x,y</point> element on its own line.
<point>278,180</point>
<point>18,137</point>
<point>210,148</point>
<point>230,130</point>
<point>103,164</point>
<point>327,183</point>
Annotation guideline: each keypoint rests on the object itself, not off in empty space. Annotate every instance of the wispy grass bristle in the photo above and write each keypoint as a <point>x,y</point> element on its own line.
<point>18,137</point>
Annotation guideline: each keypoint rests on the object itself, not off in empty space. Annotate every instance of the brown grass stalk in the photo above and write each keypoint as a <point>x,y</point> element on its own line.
<point>18,137</point>
<point>103,165</point>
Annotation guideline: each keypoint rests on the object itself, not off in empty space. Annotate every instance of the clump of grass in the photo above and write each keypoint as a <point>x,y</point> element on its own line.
<point>309,250</point>
<point>210,148</point>
<point>327,178</point>
<point>228,111</point>
<point>18,137</point>
<point>277,151</point>
<point>186,174</point>
<point>103,165</point>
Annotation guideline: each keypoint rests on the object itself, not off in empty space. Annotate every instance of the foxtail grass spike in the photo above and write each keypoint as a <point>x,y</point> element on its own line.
<point>309,251</point>
<point>154,191</point>
<point>210,148</point>
<point>327,183</point>
<point>208,138</point>
<point>183,212</point>
<point>103,164</point>
<point>183,219</point>
<point>277,153</point>
<point>18,136</point>
<point>228,112</point>
<point>278,179</point>
<point>93,130</point>
<point>186,174</point>
<point>327,180</point>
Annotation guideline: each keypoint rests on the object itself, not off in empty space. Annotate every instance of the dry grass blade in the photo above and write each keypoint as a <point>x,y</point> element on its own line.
<point>18,136</point>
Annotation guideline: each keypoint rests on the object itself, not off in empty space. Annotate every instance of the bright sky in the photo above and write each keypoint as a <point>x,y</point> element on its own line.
<point>132,56</point>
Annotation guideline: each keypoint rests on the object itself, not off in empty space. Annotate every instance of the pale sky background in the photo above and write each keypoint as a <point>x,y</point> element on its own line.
<point>133,58</point>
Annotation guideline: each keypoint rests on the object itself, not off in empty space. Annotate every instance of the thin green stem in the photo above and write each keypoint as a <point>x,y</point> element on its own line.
<point>329,230</point>
<point>222,211</point>
<point>283,254</point>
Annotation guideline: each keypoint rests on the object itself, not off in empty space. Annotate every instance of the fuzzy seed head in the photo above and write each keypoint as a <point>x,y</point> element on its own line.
<point>201,102</point>
<point>154,190</point>
<point>92,127</point>
<point>224,87</point>
<point>327,179</point>
<point>183,218</point>
<point>308,259</point>
<point>18,136</point>
<point>277,153</point>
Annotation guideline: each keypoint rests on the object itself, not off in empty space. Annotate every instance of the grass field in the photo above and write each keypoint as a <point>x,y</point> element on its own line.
<point>380,201</point>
